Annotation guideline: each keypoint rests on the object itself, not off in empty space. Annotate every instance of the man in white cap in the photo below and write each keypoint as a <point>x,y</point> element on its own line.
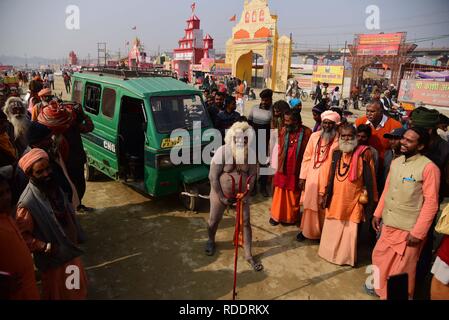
<point>316,162</point>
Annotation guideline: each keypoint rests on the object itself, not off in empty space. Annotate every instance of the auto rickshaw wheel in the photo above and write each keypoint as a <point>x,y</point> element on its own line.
<point>190,202</point>
<point>89,172</point>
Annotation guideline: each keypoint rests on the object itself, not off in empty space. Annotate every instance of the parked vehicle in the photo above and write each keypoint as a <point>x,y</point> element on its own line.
<point>134,114</point>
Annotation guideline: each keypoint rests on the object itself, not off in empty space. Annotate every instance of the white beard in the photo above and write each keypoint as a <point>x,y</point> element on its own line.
<point>347,146</point>
<point>328,136</point>
<point>240,154</point>
<point>20,124</point>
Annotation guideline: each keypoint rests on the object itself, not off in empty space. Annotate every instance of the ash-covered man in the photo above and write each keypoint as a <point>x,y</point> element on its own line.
<point>235,158</point>
<point>16,114</point>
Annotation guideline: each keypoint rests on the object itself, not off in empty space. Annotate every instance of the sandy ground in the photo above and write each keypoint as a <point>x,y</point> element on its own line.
<point>142,248</point>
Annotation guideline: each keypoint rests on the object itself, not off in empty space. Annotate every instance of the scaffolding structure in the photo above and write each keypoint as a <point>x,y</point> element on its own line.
<point>101,54</point>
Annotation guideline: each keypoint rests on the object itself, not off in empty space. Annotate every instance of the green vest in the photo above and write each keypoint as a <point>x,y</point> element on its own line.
<point>404,198</point>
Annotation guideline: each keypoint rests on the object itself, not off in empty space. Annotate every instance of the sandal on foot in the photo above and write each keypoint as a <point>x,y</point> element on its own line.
<point>370,291</point>
<point>210,248</point>
<point>300,237</point>
<point>257,266</point>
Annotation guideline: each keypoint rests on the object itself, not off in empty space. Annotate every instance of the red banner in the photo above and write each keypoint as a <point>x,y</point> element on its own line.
<point>379,44</point>
<point>377,50</point>
<point>380,39</point>
<point>435,93</point>
<point>6,68</point>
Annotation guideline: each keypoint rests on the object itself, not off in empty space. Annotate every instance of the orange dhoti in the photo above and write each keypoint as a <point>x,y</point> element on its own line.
<point>62,283</point>
<point>338,243</point>
<point>285,206</point>
<point>392,256</point>
<point>313,172</point>
<point>286,196</point>
<point>312,224</point>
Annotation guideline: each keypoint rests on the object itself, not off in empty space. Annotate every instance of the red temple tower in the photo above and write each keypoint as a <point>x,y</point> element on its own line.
<point>192,48</point>
<point>137,57</point>
<point>73,59</point>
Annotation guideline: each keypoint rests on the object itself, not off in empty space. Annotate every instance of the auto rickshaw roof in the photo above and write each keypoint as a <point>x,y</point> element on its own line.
<point>142,84</point>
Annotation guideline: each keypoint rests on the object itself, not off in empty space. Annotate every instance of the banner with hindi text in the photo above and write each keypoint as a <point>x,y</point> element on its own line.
<point>328,74</point>
<point>435,93</point>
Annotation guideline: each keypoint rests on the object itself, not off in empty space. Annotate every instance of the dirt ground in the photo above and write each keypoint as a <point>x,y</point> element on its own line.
<point>142,248</point>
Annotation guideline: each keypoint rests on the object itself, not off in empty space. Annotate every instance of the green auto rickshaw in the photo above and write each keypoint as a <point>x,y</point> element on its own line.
<point>134,114</point>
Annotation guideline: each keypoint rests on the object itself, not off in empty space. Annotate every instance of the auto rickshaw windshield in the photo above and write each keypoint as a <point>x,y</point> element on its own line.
<point>178,112</point>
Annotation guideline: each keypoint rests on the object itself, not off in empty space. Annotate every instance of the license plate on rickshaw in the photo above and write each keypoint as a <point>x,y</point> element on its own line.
<point>172,142</point>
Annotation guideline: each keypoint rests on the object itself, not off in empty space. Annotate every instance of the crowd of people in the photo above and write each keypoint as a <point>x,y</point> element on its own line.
<point>41,189</point>
<point>377,175</point>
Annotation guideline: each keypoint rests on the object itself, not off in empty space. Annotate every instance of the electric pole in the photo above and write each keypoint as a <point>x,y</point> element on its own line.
<point>344,62</point>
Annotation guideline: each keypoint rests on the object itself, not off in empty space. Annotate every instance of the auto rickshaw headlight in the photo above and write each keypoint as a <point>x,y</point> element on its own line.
<point>164,162</point>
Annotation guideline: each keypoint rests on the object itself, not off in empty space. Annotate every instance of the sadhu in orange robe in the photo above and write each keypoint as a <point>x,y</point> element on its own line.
<point>43,221</point>
<point>291,148</point>
<point>344,212</point>
<point>316,162</point>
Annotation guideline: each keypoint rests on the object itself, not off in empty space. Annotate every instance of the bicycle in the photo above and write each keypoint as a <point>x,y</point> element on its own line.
<point>303,95</point>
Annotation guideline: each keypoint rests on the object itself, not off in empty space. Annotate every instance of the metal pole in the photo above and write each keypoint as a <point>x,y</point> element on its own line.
<point>255,85</point>
<point>343,80</point>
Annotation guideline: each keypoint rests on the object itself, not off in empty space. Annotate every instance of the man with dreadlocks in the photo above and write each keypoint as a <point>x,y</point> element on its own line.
<point>232,168</point>
<point>293,138</point>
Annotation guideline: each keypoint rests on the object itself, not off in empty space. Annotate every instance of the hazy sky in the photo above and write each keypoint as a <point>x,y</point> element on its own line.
<point>37,28</point>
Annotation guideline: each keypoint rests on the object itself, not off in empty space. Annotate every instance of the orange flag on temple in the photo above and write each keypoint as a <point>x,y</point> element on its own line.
<point>233,18</point>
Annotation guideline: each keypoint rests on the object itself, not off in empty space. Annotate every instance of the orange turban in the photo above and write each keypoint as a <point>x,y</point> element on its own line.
<point>56,117</point>
<point>30,158</point>
<point>44,92</point>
